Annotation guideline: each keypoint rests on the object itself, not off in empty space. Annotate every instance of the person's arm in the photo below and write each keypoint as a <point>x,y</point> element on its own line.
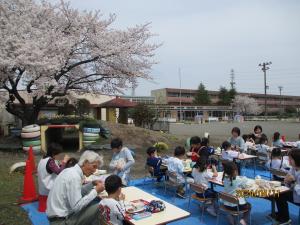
<point>242,144</point>
<point>112,164</point>
<point>52,167</point>
<point>159,162</point>
<point>214,170</point>
<point>129,159</point>
<point>74,196</point>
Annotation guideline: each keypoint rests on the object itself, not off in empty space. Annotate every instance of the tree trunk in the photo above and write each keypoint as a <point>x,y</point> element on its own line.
<point>27,114</point>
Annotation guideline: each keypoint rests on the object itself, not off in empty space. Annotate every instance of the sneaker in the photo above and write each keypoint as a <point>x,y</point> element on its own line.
<point>211,211</point>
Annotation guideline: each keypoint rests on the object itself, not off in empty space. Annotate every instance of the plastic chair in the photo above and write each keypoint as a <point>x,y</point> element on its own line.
<point>278,173</point>
<point>234,200</point>
<point>149,173</point>
<point>200,189</point>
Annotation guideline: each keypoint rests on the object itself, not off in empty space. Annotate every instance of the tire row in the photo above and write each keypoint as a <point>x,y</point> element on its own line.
<point>31,136</point>
<point>90,136</point>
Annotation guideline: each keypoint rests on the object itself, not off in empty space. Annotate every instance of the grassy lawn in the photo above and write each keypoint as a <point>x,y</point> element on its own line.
<point>11,187</point>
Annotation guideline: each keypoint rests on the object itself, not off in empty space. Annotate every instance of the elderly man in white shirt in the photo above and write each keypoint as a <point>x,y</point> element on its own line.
<point>69,202</point>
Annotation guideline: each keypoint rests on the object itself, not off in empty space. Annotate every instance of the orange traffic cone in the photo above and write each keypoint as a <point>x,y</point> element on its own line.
<point>29,193</point>
<point>31,159</point>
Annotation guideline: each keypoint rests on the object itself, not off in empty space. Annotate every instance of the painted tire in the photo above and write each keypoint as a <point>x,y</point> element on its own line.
<point>31,143</point>
<point>90,135</point>
<point>91,130</point>
<point>31,135</point>
<point>38,138</point>
<point>36,149</point>
<point>90,138</point>
<point>31,128</point>
<point>86,143</point>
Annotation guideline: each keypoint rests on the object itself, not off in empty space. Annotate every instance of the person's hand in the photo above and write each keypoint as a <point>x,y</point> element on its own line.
<point>99,187</point>
<point>66,158</point>
<point>289,179</point>
<point>119,168</point>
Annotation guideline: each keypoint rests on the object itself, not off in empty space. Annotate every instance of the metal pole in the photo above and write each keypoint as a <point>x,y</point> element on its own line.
<point>180,109</point>
<point>264,69</point>
<point>265,80</point>
<point>281,111</point>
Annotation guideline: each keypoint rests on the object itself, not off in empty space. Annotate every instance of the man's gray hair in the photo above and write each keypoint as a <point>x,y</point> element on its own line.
<point>91,157</point>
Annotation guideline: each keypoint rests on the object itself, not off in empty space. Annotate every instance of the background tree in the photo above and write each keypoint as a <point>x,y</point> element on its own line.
<point>232,93</point>
<point>226,97</point>
<point>202,97</point>
<point>82,107</point>
<point>143,116</point>
<point>48,50</point>
<point>246,106</point>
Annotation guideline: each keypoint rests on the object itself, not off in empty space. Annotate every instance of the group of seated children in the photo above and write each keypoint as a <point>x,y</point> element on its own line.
<point>112,210</point>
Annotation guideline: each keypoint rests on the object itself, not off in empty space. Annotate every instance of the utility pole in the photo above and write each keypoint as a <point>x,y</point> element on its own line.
<point>232,83</point>
<point>180,110</point>
<point>264,68</point>
<point>281,106</point>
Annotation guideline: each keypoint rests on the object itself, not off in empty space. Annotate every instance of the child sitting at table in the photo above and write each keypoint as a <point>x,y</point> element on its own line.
<point>232,183</point>
<point>278,162</point>
<point>111,210</point>
<point>249,142</point>
<point>122,160</point>
<point>175,165</point>
<point>155,162</point>
<point>230,155</point>
<point>262,147</point>
<point>277,141</point>
<point>291,180</point>
<point>202,176</point>
<point>195,143</point>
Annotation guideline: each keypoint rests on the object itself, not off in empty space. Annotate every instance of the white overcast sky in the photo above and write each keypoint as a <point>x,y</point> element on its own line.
<point>207,39</point>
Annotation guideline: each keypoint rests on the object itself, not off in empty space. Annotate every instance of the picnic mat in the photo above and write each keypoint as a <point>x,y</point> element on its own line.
<point>260,207</point>
<point>34,215</point>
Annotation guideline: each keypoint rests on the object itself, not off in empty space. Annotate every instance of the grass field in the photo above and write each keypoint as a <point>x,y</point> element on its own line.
<point>10,190</point>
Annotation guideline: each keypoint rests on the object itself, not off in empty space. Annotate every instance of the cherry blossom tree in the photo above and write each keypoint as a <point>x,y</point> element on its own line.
<point>50,50</point>
<point>246,105</point>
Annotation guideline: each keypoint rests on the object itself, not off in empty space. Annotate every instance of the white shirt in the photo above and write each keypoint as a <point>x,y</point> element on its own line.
<point>230,155</point>
<point>231,187</point>
<point>176,165</point>
<point>124,159</point>
<point>45,179</point>
<point>276,164</point>
<point>202,177</point>
<point>112,211</point>
<point>65,197</point>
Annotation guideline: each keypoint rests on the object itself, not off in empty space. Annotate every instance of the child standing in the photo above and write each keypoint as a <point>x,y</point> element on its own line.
<point>292,180</point>
<point>202,176</point>
<point>175,165</point>
<point>110,208</point>
<point>122,160</point>
<point>232,183</point>
<point>155,162</point>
